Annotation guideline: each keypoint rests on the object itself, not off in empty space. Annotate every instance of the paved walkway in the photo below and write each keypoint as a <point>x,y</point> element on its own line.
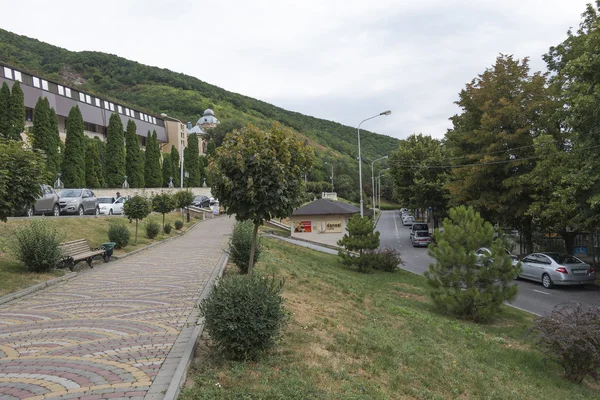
<point>108,333</point>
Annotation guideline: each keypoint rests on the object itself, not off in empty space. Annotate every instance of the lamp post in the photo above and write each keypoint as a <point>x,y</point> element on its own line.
<point>332,189</point>
<point>373,179</point>
<point>388,112</point>
<point>379,180</point>
<point>182,145</point>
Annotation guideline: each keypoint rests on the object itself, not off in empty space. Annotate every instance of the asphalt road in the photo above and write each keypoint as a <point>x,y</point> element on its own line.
<point>532,295</point>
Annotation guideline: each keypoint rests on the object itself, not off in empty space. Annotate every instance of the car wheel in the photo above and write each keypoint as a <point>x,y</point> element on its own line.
<point>97,212</point>
<point>547,282</point>
<point>110,212</point>
<point>81,210</point>
<point>30,211</point>
<point>56,210</point>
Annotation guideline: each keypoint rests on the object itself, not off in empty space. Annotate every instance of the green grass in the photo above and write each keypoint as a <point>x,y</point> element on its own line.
<point>14,276</point>
<point>377,336</point>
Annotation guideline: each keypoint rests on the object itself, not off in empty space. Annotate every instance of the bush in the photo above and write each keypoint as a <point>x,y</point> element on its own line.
<point>244,315</point>
<point>571,335</point>
<point>167,228</point>
<point>118,233</point>
<point>384,259</point>
<point>178,225</point>
<point>240,244</point>
<point>36,245</point>
<point>152,229</point>
<point>361,238</point>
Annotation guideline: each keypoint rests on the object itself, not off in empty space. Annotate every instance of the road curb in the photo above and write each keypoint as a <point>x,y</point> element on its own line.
<point>189,344</point>
<point>40,286</point>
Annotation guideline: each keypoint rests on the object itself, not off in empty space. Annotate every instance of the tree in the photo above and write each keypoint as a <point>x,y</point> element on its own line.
<point>134,167</point>
<point>202,164</point>
<point>20,177</point>
<point>191,161</point>
<point>115,152</point>
<point>175,166</point>
<point>17,111</point>
<point>136,208</point>
<point>258,175</point>
<point>167,169</point>
<point>490,143</point>
<point>73,165</point>
<point>5,123</point>
<point>163,203</point>
<point>53,152</point>
<point>361,236</point>
<point>183,199</point>
<point>153,173</point>
<point>462,284</point>
<point>41,135</point>
<point>211,148</point>
<point>101,146</point>
<point>92,166</point>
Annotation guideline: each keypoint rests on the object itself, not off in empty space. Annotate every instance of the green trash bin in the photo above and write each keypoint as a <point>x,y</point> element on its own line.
<point>108,247</point>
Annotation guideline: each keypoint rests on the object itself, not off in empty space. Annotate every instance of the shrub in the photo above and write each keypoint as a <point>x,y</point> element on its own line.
<point>167,228</point>
<point>118,233</point>
<point>240,244</point>
<point>36,245</point>
<point>384,259</point>
<point>361,237</point>
<point>571,335</point>
<point>244,315</point>
<point>152,229</point>
<point>178,225</point>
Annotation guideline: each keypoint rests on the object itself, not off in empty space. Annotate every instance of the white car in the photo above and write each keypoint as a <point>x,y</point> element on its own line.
<point>408,220</point>
<point>109,205</point>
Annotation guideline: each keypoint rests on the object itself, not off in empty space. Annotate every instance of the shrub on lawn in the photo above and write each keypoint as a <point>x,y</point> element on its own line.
<point>178,225</point>
<point>152,229</point>
<point>118,233</point>
<point>361,237</point>
<point>244,315</point>
<point>240,244</point>
<point>384,259</point>
<point>571,335</point>
<point>167,228</point>
<point>36,245</point>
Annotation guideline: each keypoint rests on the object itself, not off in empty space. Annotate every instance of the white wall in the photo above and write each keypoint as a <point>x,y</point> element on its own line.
<point>319,232</point>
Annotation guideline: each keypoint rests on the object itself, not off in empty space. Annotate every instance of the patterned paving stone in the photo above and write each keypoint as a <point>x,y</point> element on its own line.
<point>107,333</point>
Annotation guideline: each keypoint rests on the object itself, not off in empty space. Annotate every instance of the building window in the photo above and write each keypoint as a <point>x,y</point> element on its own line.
<point>132,113</point>
<point>44,84</point>
<point>154,120</point>
<point>98,103</point>
<point>106,104</point>
<point>36,82</point>
<point>18,76</point>
<point>89,127</point>
<point>28,114</point>
<point>112,106</point>
<point>88,99</point>
<point>61,90</point>
<point>68,92</point>
<point>8,73</point>
<point>81,97</point>
<point>127,112</point>
<point>120,109</point>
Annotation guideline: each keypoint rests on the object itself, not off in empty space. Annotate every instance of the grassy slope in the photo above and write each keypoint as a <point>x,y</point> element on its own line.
<point>377,336</point>
<point>13,274</point>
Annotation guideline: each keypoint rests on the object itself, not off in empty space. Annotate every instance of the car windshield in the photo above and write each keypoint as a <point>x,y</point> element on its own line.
<point>421,233</point>
<point>105,200</point>
<point>70,193</point>
<point>199,198</point>
<point>564,258</point>
<point>420,227</point>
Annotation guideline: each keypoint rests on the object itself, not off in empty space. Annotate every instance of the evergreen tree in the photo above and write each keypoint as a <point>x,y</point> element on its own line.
<point>5,111</point>
<point>52,153</point>
<point>191,161</point>
<point>73,167</point>
<point>134,165</point>
<point>17,111</point>
<point>99,146</point>
<point>167,169</point>
<point>211,148</point>
<point>202,164</point>
<point>115,152</point>
<point>361,236</point>
<point>44,136</point>
<point>153,173</point>
<point>92,162</point>
<point>175,166</point>
<point>102,151</point>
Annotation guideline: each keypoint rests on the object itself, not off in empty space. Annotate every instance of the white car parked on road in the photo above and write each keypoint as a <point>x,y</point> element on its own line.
<point>109,205</point>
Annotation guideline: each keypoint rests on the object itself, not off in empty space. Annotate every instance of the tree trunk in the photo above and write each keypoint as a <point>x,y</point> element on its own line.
<point>569,239</point>
<point>136,223</point>
<point>528,237</point>
<point>163,222</point>
<point>252,249</point>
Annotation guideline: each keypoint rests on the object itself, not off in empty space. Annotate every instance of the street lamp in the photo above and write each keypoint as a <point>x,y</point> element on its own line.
<point>373,179</point>
<point>388,112</point>
<point>332,189</point>
<point>379,179</point>
<point>164,115</point>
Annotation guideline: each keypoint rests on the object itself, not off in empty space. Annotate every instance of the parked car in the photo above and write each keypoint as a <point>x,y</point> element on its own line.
<point>485,252</point>
<point>420,238</point>
<point>201,201</point>
<point>556,269</point>
<point>418,226</point>
<point>408,220</point>
<point>78,201</point>
<point>46,204</point>
<point>110,205</point>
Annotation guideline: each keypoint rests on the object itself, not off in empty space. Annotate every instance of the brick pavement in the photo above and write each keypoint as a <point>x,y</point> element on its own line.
<point>106,334</point>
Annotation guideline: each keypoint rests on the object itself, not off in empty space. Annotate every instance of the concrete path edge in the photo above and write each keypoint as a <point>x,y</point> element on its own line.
<point>35,288</point>
<point>178,380</point>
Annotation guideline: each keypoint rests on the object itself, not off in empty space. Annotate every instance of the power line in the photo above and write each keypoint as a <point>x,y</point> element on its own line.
<point>500,151</point>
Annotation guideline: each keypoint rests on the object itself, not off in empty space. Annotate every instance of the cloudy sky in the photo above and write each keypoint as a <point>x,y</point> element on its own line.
<point>339,60</point>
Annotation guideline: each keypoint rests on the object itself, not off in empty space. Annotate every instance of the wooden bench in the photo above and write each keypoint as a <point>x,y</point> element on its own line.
<point>79,250</point>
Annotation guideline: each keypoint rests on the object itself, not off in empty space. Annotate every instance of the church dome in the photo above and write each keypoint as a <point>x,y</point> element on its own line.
<point>208,112</point>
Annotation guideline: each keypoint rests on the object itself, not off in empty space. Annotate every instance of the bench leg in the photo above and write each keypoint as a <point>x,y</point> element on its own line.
<point>89,261</point>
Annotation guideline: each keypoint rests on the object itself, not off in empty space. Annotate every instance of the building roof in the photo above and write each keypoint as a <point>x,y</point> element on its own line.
<point>196,130</point>
<point>326,207</point>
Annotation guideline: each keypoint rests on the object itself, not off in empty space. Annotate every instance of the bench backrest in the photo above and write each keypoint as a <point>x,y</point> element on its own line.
<point>75,247</point>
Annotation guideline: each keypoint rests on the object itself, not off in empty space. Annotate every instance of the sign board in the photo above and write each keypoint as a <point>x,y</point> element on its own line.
<point>580,251</point>
<point>333,226</point>
<point>302,226</point>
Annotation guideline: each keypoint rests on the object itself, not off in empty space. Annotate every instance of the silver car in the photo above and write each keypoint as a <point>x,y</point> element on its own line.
<point>556,269</point>
<point>78,201</point>
<point>46,204</point>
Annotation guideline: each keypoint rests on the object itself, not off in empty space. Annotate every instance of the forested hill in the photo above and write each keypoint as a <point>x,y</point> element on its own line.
<point>160,90</point>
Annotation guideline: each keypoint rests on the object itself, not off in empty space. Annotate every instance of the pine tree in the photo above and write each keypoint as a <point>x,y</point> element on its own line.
<point>191,161</point>
<point>99,145</point>
<point>73,166</point>
<point>361,236</point>
<point>17,111</point>
<point>92,161</point>
<point>102,151</point>
<point>43,138</point>
<point>167,169</point>
<point>211,148</point>
<point>202,164</point>
<point>134,166</point>
<point>153,173</point>
<point>175,166</point>
<point>5,111</point>
<point>115,152</point>
<point>52,153</point>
